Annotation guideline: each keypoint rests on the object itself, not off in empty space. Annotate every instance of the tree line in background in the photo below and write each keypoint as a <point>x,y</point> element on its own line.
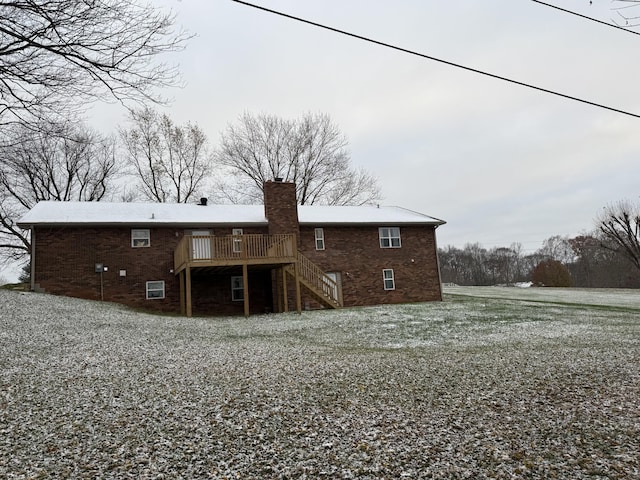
<point>588,261</point>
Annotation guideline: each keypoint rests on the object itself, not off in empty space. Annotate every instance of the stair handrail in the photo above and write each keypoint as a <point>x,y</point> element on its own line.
<point>323,285</point>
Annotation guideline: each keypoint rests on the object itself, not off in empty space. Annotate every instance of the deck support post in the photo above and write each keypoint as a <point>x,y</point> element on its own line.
<point>183,310</point>
<point>187,273</point>
<point>245,286</point>
<point>284,290</point>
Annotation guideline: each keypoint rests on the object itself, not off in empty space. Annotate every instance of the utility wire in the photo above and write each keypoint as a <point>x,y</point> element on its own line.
<point>446,62</point>
<point>587,17</point>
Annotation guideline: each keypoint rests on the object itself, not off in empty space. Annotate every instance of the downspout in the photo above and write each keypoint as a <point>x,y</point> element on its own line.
<point>435,242</point>
<point>32,274</point>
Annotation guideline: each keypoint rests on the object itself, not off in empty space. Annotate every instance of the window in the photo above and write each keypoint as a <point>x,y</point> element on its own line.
<point>319,239</point>
<point>237,240</point>
<point>140,237</point>
<point>237,289</point>
<point>389,237</point>
<point>389,281</point>
<point>155,290</point>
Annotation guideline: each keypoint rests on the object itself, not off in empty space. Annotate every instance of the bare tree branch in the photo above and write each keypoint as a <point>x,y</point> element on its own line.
<point>623,9</point>
<point>312,152</point>
<point>59,161</point>
<point>619,224</point>
<point>56,55</point>
<point>172,163</point>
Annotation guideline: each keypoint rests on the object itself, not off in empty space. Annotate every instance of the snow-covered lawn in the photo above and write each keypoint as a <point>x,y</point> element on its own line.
<point>471,387</point>
<point>581,296</point>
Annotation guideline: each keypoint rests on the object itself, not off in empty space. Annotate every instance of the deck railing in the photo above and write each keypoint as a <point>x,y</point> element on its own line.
<point>200,250</point>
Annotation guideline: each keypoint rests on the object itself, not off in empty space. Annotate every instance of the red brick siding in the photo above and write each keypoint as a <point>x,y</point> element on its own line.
<point>280,208</point>
<point>65,261</point>
<point>355,252</point>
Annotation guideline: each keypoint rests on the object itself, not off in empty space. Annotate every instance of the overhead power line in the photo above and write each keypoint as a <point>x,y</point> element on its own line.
<point>435,59</point>
<point>586,17</point>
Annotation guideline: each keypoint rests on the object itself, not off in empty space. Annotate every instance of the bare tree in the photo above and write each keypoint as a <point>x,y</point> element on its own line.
<point>619,223</point>
<point>56,54</point>
<point>171,162</point>
<point>557,248</point>
<point>312,152</point>
<point>58,161</point>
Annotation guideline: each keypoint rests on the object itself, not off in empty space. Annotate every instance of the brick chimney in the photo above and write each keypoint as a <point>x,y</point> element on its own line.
<point>281,207</point>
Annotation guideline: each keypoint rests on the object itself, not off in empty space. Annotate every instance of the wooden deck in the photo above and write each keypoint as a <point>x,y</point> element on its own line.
<point>272,251</point>
<point>197,251</point>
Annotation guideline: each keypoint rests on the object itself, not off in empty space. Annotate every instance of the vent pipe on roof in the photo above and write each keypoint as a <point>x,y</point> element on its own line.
<point>203,202</point>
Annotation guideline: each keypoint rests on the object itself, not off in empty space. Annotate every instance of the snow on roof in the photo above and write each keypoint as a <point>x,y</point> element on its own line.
<point>107,213</point>
<point>366,214</point>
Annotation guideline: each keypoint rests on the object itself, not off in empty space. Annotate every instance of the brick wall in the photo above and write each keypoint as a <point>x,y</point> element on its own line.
<point>280,208</point>
<point>355,252</point>
<point>65,261</point>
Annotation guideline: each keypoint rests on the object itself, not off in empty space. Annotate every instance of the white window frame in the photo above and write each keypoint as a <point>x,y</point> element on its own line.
<point>235,289</point>
<point>140,237</point>
<point>390,237</point>
<point>388,276</point>
<point>236,246</point>
<point>319,235</point>
<point>155,286</point>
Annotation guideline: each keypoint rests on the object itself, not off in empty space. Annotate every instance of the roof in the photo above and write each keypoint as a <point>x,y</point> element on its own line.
<point>363,215</point>
<point>52,213</point>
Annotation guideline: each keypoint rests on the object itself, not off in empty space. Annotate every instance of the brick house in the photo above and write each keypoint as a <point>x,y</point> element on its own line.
<point>234,259</point>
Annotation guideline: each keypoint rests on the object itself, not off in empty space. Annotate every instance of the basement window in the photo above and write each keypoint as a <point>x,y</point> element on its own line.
<point>389,237</point>
<point>155,290</point>
<point>140,237</point>
<point>389,280</point>
<point>237,289</point>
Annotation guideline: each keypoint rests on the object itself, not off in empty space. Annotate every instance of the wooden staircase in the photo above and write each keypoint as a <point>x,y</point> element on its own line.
<point>323,288</point>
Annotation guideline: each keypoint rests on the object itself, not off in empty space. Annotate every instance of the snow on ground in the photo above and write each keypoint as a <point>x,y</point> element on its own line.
<point>613,297</point>
<point>468,388</point>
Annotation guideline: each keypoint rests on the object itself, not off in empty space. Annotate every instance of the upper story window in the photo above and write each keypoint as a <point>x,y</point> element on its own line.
<point>319,239</point>
<point>140,237</point>
<point>389,237</point>
<point>237,240</point>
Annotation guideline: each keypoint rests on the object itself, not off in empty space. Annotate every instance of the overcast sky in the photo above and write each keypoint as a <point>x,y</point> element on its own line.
<point>498,162</point>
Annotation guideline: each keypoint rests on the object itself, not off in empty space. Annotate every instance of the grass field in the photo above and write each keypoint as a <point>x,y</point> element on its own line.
<point>490,383</point>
